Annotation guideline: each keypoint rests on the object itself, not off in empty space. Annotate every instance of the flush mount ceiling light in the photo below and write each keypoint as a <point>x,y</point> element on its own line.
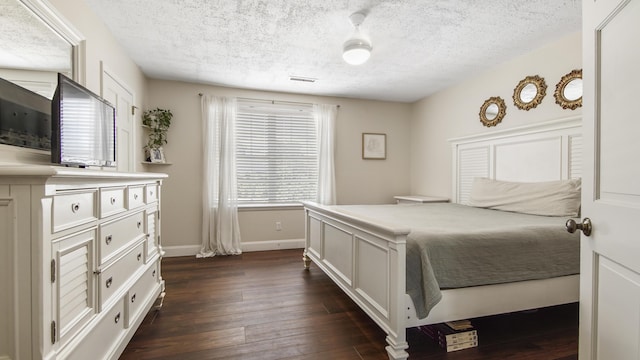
<point>357,49</point>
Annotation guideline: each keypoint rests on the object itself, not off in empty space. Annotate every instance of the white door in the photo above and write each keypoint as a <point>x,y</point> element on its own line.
<point>610,257</point>
<point>121,97</point>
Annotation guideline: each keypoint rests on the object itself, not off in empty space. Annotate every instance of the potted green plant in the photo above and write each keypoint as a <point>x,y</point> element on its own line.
<point>158,121</point>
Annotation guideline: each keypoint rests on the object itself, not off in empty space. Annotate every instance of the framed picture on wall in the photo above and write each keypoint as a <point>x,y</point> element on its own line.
<point>374,146</point>
<point>156,155</point>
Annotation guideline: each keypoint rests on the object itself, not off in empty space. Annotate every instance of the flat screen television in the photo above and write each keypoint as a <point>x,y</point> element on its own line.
<point>83,127</point>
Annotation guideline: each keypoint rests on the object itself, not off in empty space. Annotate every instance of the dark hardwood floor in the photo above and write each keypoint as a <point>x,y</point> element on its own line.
<point>263,305</point>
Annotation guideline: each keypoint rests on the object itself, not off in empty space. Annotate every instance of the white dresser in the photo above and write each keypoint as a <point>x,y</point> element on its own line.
<point>80,259</point>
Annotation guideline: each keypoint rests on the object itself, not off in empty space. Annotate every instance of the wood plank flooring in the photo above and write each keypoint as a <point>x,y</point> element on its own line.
<point>263,305</point>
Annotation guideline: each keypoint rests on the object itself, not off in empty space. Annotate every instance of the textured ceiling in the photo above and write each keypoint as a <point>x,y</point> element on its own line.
<point>419,46</point>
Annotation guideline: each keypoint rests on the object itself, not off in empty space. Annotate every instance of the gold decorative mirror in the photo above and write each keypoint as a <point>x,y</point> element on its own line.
<point>568,92</point>
<point>492,111</point>
<point>529,92</point>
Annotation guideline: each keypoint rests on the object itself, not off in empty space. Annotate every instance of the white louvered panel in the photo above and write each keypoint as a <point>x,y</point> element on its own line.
<point>575,157</point>
<point>472,163</point>
<point>152,246</point>
<point>74,294</point>
<point>73,286</point>
<point>74,305</point>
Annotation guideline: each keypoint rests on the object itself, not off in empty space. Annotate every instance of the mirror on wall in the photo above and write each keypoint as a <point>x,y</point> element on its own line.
<point>31,51</point>
<point>492,111</point>
<point>35,45</point>
<point>568,92</point>
<point>529,92</point>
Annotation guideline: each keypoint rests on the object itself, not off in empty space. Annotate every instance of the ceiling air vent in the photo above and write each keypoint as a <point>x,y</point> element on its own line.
<point>302,79</point>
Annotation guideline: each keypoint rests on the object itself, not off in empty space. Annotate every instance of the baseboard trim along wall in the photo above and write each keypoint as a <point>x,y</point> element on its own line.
<point>273,245</point>
<point>192,250</point>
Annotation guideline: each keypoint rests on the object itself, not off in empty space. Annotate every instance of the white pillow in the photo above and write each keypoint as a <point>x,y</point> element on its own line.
<point>551,198</point>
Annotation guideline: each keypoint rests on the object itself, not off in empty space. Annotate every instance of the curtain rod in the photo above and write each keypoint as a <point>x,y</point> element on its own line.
<point>273,101</point>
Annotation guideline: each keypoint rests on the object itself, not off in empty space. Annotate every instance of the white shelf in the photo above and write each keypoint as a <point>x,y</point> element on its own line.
<point>155,163</point>
<point>419,199</point>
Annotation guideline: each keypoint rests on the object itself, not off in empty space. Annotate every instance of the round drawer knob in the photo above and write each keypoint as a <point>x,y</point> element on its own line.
<point>108,239</point>
<point>75,207</point>
<point>133,298</point>
<point>109,282</point>
<point>113,200</point>
<point>139,257</point>
<point>117,318</point>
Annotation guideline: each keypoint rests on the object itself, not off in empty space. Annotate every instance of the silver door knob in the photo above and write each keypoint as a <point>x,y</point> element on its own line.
<point>585,226</point>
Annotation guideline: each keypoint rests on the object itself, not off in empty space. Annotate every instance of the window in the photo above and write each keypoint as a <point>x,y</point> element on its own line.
<point>276,151</point>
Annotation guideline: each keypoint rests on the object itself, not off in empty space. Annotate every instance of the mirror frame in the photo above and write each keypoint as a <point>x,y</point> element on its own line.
<point>502,111</point>
<point>541,92</point>
<point>559,93</point>
<point>52,18</point>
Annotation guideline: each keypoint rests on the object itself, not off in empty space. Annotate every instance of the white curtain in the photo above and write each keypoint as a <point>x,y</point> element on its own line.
<point>220,226</point>
<point>325,116</point>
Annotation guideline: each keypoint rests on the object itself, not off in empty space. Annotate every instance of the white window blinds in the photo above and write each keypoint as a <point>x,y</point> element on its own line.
<point>276,151</point>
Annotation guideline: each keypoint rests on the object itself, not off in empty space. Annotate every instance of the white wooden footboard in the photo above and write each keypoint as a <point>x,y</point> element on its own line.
<point>367,261</point>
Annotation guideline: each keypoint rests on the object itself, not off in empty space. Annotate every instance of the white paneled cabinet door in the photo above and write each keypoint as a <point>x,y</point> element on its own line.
<point>72,280</point>
<point>610,256</point>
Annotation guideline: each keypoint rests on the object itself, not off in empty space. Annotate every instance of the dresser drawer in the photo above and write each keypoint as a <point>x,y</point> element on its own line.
<point>152,193</point>
<point>111,201</point>
<point>103,338</point>
<point>118,233</point>
<point>136,196</point>
<point>140,293</point>
<point>115,276</point>
<point>73,209</point>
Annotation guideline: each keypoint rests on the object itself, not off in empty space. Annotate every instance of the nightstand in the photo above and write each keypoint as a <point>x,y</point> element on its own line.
<point>408,199</point>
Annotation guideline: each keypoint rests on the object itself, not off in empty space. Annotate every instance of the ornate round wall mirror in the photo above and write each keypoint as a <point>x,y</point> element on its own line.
<point>492,111</point>
<point>568,92</point>
<point>529,92</point>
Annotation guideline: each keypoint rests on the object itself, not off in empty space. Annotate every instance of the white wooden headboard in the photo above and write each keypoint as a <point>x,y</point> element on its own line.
<point>542,152</point>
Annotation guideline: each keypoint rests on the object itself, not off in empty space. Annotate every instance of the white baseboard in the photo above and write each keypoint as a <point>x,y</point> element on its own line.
<point>182,250</point>
<point>272,245</point>
<point>192,250</point>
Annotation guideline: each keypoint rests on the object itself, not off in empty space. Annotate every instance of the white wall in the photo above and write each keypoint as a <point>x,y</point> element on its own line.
<point>454,112</point>
<point>357,180</point>
<point>101,46</point>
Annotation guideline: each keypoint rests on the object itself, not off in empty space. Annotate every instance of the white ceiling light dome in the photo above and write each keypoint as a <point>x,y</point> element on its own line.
<point>357,49</point>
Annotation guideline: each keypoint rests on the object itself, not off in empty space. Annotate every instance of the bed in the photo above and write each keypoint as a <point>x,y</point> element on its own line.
<point>367,250</point>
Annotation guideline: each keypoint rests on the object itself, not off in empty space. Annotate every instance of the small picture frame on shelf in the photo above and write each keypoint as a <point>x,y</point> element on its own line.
<point>156,155</point>
<point>374,146</point>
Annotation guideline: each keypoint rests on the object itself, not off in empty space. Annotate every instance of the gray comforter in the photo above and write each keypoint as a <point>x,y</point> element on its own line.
<point>452,246</point>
